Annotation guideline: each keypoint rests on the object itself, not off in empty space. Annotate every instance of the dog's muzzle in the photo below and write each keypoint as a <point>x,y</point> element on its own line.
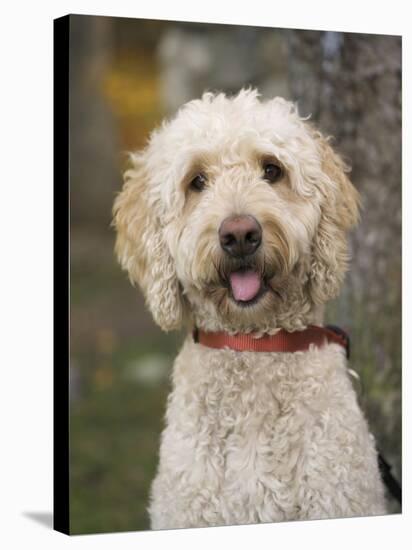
<point>240,238</point>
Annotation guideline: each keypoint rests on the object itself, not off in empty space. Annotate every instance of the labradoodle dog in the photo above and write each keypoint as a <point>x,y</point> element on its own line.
<point>233,221</point>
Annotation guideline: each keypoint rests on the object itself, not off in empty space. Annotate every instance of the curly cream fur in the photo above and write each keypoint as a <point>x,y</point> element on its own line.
<point>249,437</point>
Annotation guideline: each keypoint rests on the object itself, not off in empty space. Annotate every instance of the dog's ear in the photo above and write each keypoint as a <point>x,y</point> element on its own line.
<point>339,213</point>
<point>142,250</point>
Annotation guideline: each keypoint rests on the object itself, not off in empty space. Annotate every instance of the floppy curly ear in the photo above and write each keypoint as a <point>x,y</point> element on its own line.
<point>339,212</point>
<point>142,251</point>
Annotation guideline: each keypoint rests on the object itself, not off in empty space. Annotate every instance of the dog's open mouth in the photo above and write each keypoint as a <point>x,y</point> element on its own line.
<point>246,286</point>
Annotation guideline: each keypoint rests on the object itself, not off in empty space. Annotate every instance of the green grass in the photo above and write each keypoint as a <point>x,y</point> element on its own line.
<point>115,428</point>
<point>114,459</point>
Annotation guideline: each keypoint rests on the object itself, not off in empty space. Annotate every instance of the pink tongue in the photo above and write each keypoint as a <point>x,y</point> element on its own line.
<point>245,285</point>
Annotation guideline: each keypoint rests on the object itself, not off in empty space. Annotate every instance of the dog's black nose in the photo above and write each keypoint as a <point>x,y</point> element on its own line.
<point>240,235</point>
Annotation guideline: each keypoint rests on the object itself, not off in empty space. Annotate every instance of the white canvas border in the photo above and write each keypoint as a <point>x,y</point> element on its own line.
<point>26,289</point>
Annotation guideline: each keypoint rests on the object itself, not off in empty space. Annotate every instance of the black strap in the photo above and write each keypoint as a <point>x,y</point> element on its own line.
<point>342,334</point>
<point>391,483</point>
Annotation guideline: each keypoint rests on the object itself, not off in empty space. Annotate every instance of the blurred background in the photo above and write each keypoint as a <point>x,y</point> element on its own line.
<point>125,76</point>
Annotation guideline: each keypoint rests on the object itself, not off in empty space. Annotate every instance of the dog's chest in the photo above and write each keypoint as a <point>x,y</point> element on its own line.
<point>242,427</point>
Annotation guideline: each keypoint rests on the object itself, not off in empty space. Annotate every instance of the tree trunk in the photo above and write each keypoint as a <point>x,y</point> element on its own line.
<point>351,84</point>
<point>94,167</point>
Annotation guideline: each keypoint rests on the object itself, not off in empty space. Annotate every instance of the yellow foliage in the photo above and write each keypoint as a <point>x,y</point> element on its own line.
<point>131,86</point>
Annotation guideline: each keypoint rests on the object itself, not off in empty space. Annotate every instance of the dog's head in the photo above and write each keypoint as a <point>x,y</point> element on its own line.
<point>236,215</point>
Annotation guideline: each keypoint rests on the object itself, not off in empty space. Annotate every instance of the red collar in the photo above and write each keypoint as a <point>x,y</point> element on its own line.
<point>282,341</point>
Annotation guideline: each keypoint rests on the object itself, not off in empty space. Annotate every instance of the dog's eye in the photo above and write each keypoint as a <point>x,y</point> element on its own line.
<point>198,183</point>
<point>272,172</point>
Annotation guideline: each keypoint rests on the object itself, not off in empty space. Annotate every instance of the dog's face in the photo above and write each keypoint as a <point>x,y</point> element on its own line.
<point>236,213</point>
